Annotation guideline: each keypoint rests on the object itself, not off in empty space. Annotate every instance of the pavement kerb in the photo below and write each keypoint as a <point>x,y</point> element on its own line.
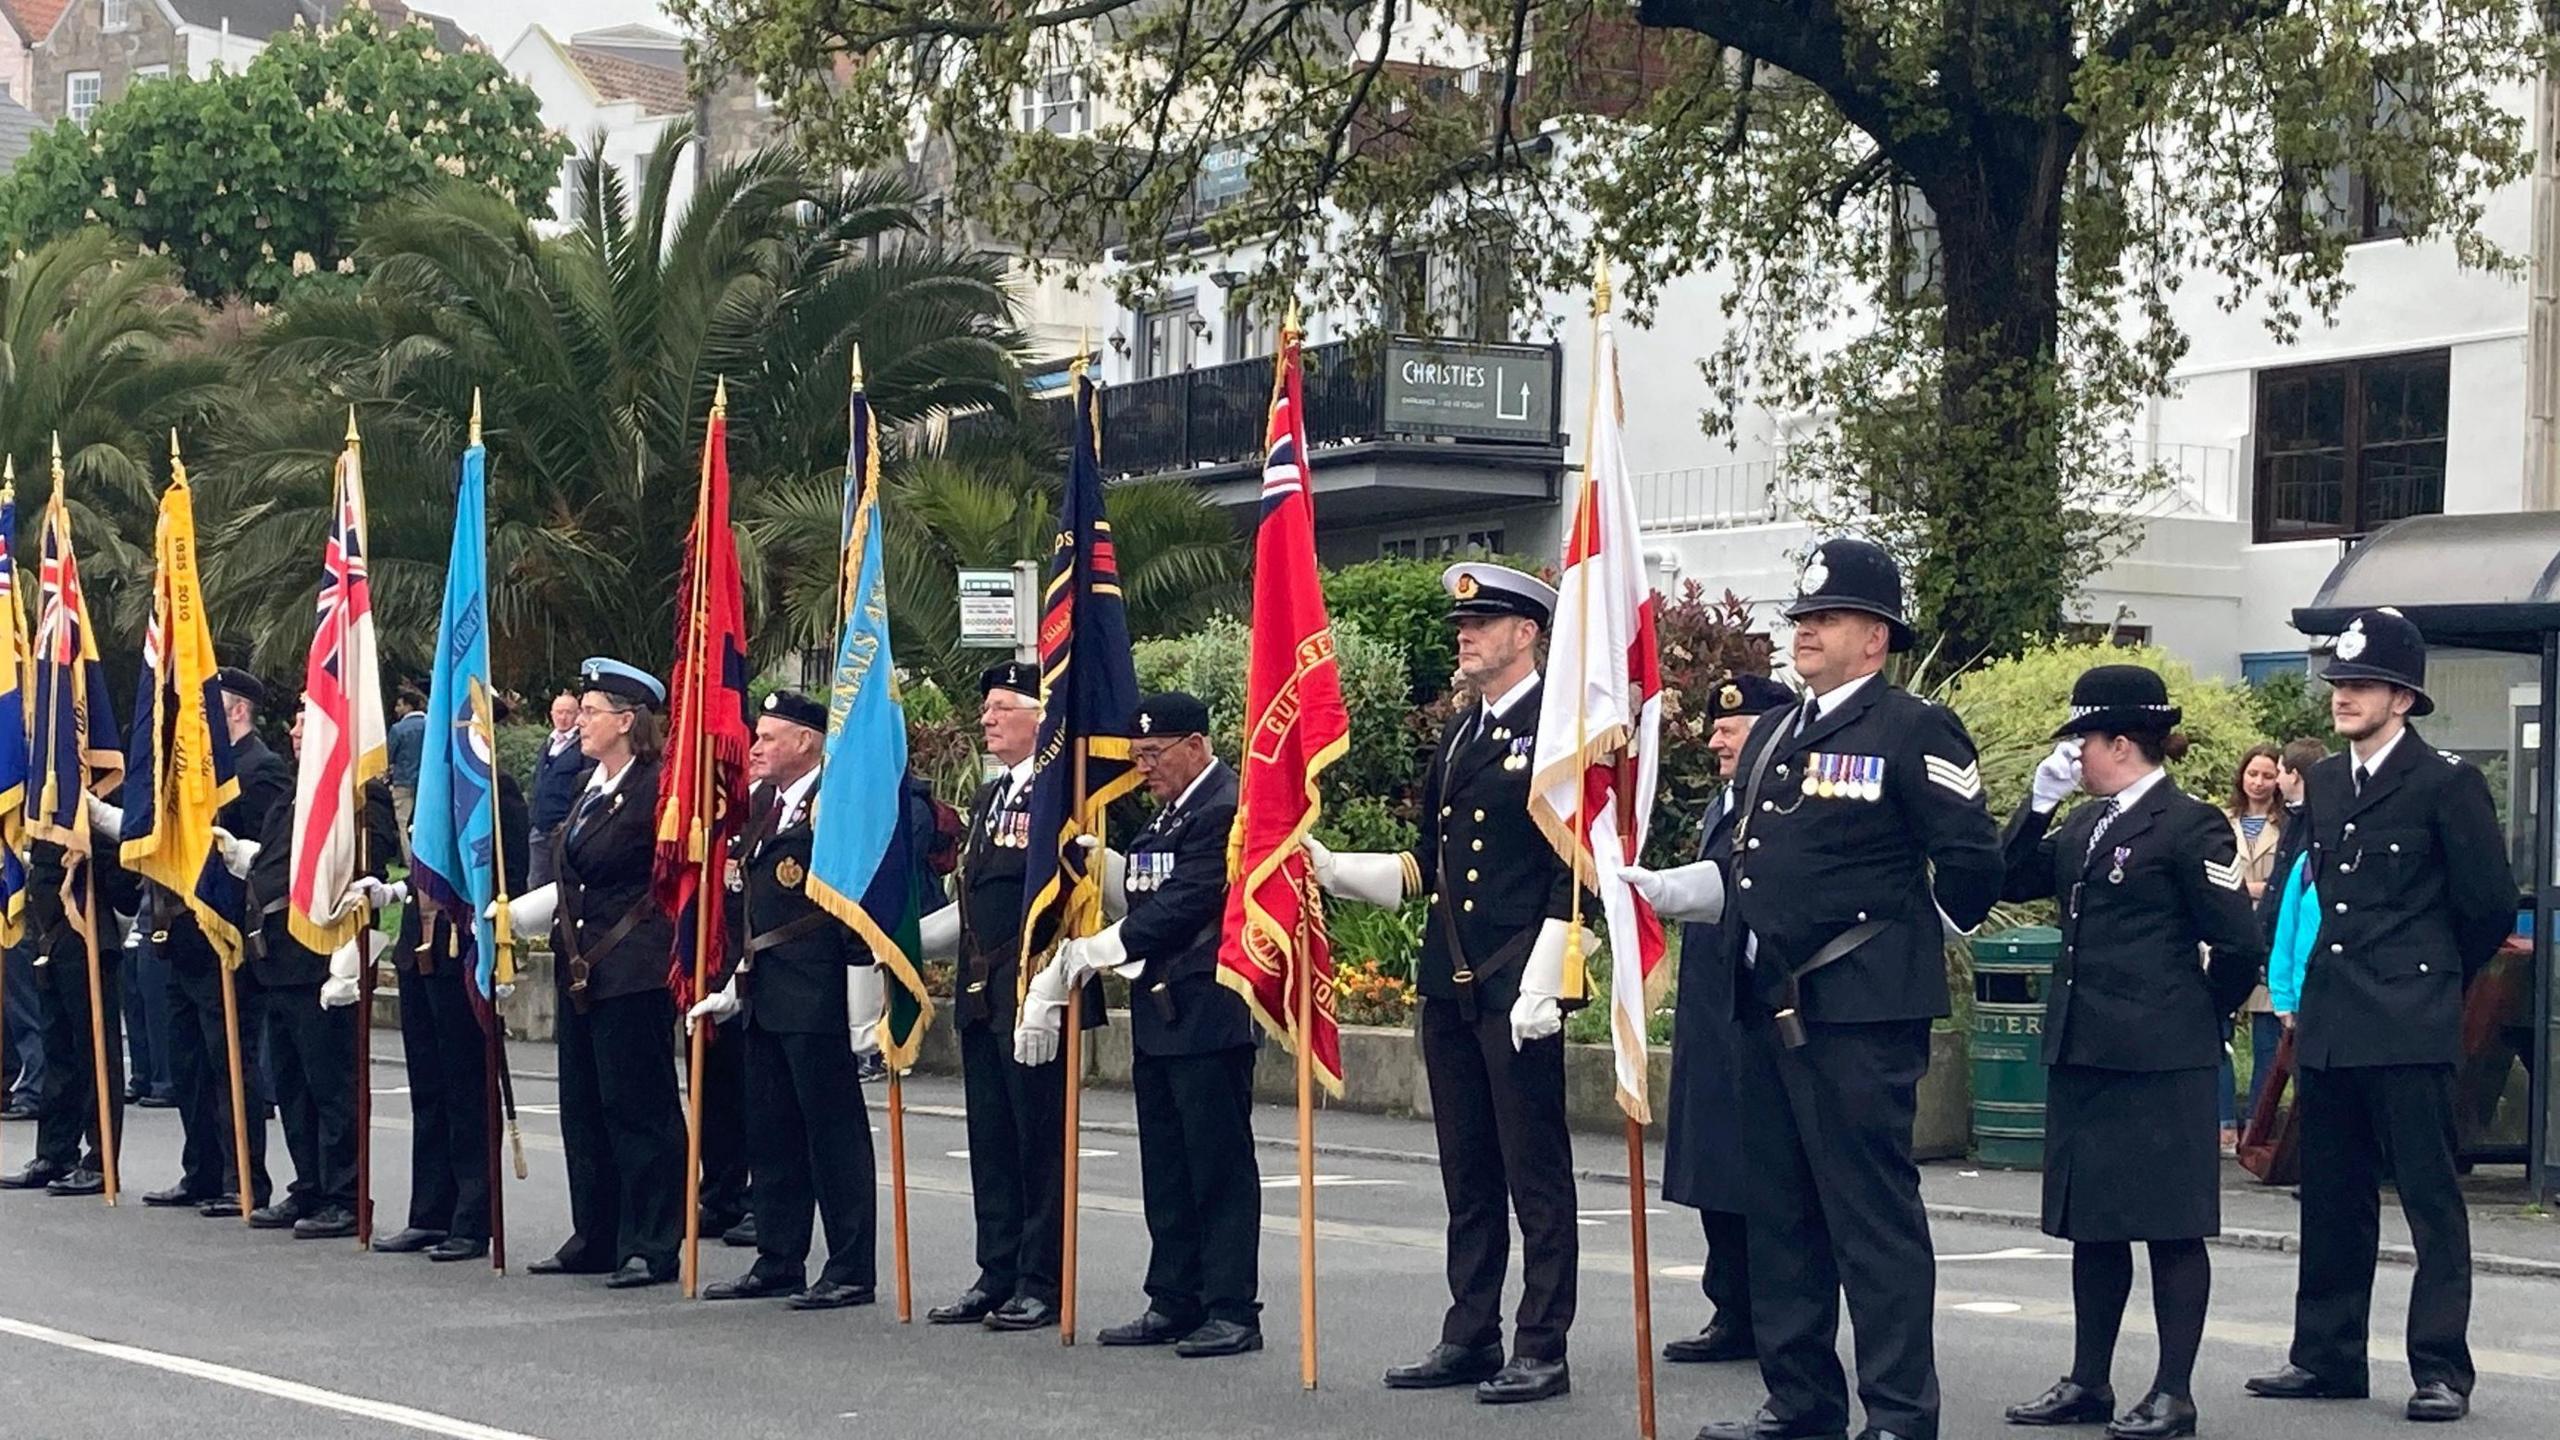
<point>2278,1241</point>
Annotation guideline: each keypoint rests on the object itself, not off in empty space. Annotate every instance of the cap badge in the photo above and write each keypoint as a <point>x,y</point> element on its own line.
<point>1729,698</point>
<point>1468,585</point>
<point>2351,644</point>
<point>1146,724</point>
<point>1817,573</point>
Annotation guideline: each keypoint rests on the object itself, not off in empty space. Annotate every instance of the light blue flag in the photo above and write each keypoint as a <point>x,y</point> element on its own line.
<point>453,834</point>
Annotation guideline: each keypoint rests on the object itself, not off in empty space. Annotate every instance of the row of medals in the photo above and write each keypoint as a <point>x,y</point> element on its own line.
<point>1844,777</point>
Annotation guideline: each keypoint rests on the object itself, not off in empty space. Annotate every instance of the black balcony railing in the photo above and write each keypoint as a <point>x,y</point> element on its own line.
<point>1216,415</point>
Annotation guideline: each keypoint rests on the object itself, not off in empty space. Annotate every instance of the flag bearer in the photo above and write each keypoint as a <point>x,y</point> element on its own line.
<point>1492,982</point>
<point>1193,1040</point>
<point>68,1154</point>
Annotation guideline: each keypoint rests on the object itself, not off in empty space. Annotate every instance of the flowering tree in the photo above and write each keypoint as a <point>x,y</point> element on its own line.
<point>249,181</point>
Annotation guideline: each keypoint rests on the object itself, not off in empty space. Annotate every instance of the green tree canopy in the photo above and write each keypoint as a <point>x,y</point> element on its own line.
<point>1953,231</point>
<point>247,181</point>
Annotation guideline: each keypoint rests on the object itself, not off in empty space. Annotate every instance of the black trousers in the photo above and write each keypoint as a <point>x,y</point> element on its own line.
<point>442,1042</point>
<point>311,1060</point>
<point>67,1110</point>
<point>1728,1277</point>
<point>811,1147</point>
<point>623,1129</point>
<point>200,1061</point>
<point>1836,1206</point>
<point>2359,1125</point>
<point>726,1197</point>
<point>1202,1187</point>
<point>1017,1164</point>
<point>1504,1147</point>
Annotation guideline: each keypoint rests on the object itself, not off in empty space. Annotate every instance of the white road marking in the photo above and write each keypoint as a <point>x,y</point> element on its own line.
<point>1988,1307</point>
<point>1324,1182</point>
<point>1593,1219</point>
<point>424,1421</point>
<point>1086,1153</point>
<point>1682,1272</point>
<point>2018,1252</point>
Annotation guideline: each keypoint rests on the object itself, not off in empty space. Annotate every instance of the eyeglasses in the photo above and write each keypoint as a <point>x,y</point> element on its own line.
<point>586,710</point>
<point>1150,755</point>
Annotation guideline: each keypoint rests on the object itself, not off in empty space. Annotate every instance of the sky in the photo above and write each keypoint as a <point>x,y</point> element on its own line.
<point>499,22</point>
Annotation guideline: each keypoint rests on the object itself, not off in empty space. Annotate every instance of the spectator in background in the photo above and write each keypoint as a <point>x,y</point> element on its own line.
<point>2257,811</point>
<point>407,743</point>
<point>149,1082</point>
<point>559,773</point>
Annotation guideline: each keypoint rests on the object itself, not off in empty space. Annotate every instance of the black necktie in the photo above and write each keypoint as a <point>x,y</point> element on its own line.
<point>2097,832</point>
<point>587,807</point>
<point>1812,712</point>
<point>2362,775</point>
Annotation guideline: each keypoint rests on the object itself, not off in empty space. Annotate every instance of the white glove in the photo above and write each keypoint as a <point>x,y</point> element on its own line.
<point>1683,892</point>
<point>2057,775</point>
<point>938,933</point>
<point>1538,1014</point>
<point>1096,953</point>
<point>236,853</point>
<point>374,893</point>
<point>866,1003</point>
<point>1044,1010</point>
<point>339,990</point>
<point>1115,884</point>
<point>104,818</point>
<point>714,1008</point>
<point>1371,877</point>
<point>530,913</point>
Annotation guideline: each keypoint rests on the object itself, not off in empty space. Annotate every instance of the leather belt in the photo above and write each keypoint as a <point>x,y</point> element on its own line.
<point>1791,1025</point>
<point>785,934</point>
<point>582,957</point>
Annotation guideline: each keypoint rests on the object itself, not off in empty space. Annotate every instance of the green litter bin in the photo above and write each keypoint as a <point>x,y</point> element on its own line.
<point>2010,972</point>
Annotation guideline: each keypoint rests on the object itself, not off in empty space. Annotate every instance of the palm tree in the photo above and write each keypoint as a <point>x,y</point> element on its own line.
<point>596,353</point>
<point>96,347</point>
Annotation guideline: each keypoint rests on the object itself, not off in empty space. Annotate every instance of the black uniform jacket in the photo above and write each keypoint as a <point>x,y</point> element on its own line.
<point>50,918</point>
<point>1491,876</point>
<point>275,957</point>
<point>2129,991</point>
<point>428,941</point>
<point>265,787</point>
<point>1702,1165</point>
<point>1852,816</point>
<point>607,916</point>
<point>794,983</point>
<point>2415,894</point>
<point>1177,886</point>
<point>992,861</point>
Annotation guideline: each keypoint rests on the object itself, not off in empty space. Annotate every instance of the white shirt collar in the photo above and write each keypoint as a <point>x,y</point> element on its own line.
<point>1498,707</point>
<point>1839,695</point>
<point>796,794</point>
<point>599,783</point>
<point>563,739</point>
<point>1018,777</point>
<point>1193,788</point>
<point>2373,763</point>
<point>2125,797</point>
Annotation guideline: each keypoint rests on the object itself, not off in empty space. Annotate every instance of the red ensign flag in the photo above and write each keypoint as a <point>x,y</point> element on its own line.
<point>1294,726</point>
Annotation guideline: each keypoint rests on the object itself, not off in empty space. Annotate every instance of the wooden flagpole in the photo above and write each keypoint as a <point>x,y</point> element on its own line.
<point>1071,1054</point>
<point>364,924</point>
<point>98,1018</point>
<point>1306,1154</point>
<point>898,1192</point>
<point>239,1094</point>
<point>696,657</point>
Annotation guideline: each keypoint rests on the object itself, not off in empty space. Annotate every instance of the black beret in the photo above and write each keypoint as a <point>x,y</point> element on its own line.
<point>797,708</point>
<point>236,681</point>
<point>1747,695</point>
<point>1019,676</point>
<point>1172,713</point>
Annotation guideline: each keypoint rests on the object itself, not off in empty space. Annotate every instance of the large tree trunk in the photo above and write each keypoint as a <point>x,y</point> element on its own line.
<point>1992,572</point>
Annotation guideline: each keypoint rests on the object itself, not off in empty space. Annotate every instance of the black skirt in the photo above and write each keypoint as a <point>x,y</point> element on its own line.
<point>2131,1154</point>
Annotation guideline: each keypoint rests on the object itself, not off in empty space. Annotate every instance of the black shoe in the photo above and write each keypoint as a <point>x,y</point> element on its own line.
<point>2437,1402</point>
<point>458,1247</point>
<point>972,1307</point>
<point>1153,1328</point>
<point>18,1110</point>
<point>410,1241</point>
<point>2159,1417</point>
<point>332,1222</point>
<point>562,1265</point>
<point>173,1197</point>
<point>1714,1345</point>
<point>827,1295</point>
<point>741,1236</point>
<point>1872,1433</point>
<point>2295,1383</point>
<point>282,1215</point>
<point>1448,1365</point>
<point>1764,1426</point>
<point>79,1182</point>
<point>36,1176</point>
<point>752,1286</point>
<point>638,1274</point>
<point>220,1207</point>
<point>1022,1312</point>
<point>1522,1381</point>
<point>2068,1403</point>
<point>1219,1337</point>
<point>157,1102</point>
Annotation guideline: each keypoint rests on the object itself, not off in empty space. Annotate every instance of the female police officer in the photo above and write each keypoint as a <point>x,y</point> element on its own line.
<point>2133,1032</point>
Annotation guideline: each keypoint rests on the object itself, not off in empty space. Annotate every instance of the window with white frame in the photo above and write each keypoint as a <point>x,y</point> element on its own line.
<point>114,14</point>
<point>150,72</point>
<point>80,95</point>
<point>1055,102</point>
<point>1441,545</point>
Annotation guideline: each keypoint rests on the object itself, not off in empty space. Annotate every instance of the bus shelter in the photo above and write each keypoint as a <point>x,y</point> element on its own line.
<point>2485,591</point>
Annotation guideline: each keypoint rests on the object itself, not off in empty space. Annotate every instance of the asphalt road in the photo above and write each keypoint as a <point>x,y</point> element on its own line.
<point>126,1323</point>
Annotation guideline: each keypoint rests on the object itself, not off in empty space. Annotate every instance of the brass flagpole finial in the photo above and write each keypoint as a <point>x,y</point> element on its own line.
<point>351,423</point>
<point>475,414</point>
<point>177,466</point>
<point>720,397</point>
<point>1293,325</point>
<point>9,470</point>
<point>1599,282</point>
<point>57,461</point>
<point>857,365</point>
<point>1082,360</point>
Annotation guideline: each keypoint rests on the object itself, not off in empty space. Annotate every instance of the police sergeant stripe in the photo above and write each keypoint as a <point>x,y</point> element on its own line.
<point>1965,780</point>
<point>2226,876</point>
